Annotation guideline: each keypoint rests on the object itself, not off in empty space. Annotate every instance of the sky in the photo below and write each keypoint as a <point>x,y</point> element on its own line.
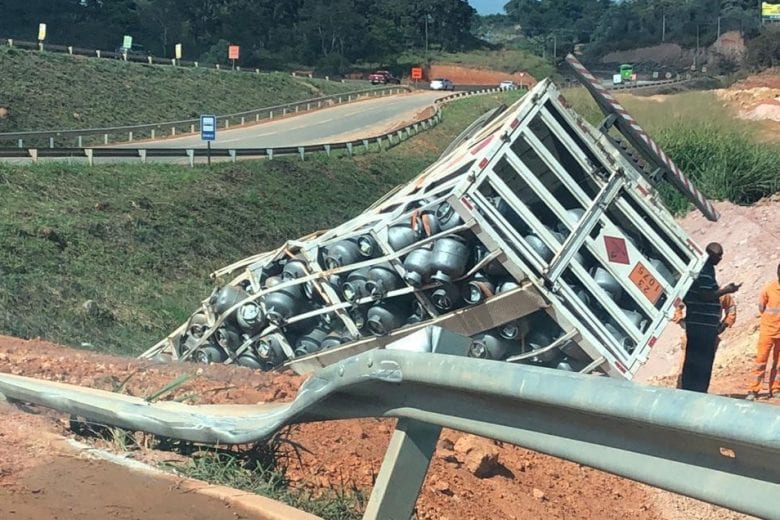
<point>488,6</point>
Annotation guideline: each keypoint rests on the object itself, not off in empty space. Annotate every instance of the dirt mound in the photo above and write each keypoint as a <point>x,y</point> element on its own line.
<point>756,98</point>
<point>460,75</point>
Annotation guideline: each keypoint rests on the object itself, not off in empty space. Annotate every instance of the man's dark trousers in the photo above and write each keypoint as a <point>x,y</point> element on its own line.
<point>699,356</point>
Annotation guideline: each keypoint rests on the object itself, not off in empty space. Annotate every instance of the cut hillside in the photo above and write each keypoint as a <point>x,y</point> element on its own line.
<point>47,91</point>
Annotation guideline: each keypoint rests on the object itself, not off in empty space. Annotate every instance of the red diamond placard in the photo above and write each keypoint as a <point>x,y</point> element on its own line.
<point>616,250</point>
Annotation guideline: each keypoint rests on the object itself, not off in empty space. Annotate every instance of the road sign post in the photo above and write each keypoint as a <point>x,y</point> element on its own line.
<point>233,54</point>
<point>208,133</point>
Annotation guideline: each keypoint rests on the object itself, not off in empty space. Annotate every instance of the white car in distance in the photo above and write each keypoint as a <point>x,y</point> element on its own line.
<point>442,84</point>
<point>507,85</point>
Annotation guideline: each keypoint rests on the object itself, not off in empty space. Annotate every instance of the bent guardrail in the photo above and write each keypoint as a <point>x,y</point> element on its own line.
<point>720,450</point>
<point>184,126</point>
<point>380,142</point>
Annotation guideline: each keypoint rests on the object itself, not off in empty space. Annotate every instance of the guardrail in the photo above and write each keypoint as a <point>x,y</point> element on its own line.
<point>175,128</point>
<point>653,84</point>
<point>381,142</point>
<point>149,60</point>
<point>720,450</point>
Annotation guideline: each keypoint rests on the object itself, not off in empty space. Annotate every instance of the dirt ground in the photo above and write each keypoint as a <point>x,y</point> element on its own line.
<point>35,479</point>
<point>757,99</point>
<point>471,76</point>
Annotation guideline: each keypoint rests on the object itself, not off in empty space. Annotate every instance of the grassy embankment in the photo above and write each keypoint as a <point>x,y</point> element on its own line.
<point>50,91</point>
<point>720,153</point>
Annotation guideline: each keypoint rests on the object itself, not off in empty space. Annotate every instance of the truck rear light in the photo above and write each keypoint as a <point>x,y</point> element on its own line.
<point>484,162</point>
<point>652,342</point>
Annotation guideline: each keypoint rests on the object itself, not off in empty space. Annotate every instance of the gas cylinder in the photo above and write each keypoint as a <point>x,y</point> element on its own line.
<point>449,258</point>
<point>382,278</point>
<point>418,267</point>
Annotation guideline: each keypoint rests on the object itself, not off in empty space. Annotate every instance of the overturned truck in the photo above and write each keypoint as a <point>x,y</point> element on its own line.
<point>536,234</point>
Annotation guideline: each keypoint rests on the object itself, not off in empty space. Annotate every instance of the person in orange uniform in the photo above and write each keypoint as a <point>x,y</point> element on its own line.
<point>768,338</point>
<point>729,307</point>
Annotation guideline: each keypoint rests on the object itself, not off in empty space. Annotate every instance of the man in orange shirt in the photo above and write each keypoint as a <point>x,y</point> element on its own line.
<point>768,338</point>
<point>728,306</point>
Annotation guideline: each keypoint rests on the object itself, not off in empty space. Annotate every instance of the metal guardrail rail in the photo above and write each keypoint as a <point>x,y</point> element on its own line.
<point>174,128</point>
<point>654,84</point>
<point>382,141</point>
<point>720,450</point>
<point>149,60</point>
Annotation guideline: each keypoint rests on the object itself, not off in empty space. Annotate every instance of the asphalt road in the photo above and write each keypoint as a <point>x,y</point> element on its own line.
<point>333,124</point>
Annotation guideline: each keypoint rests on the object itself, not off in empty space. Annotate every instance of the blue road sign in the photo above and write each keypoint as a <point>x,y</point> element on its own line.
<point>208,128</point>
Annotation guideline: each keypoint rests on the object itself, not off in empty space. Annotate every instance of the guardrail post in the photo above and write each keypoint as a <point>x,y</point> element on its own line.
<point>339,101</point>
<point>257,117</point>
<point>173,61</point>
<point>153,133</point>
<point>81,142</point>
<point>129,136</point>
<point>308,106</point>
<point>192,128</point>
<point>242,120</point>
<point>88,153</point>
<point>270,153</point>
<point>365,143</point>
<point>257,71</point>
<point>10,42</point>
<point>33,154</point>
<point>217,66</point>
<point>51,142</point>
<point>196,63</point>
<point>149,59</point>
<point>105,138</point>
<point>271,114</point>
<point>379,142</point>
<point>173,131</point>
<point>400,136</point>
<point>349,99</point>
<point>20,143</point>
<point>302,151</point>
<point>40,46</point>
<point>327,149</point>
<point>349,149</point>
<point>296,109</point>
<point>142,155</point>
<point>191,155</point>
<point>403,470</point>
<point>319,104</point>
<point>227,123</point>
<point>70,49</point>
<point>284,112</point>
<point>232,155</point>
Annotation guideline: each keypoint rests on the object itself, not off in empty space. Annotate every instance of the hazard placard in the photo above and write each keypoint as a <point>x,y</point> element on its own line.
<point>646,283</point>
<point>233,52</point>
<point>617,252</point>
<point>417,72</point>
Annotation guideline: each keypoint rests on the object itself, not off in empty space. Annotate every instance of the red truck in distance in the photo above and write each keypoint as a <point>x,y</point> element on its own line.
<point>383,77</point>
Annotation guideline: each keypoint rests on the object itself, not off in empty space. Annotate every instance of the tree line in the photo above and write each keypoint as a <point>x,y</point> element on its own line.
<point>605,25</point>
<point>329,34</point>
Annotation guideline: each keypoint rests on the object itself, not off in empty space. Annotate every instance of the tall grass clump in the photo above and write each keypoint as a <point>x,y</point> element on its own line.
<point>714,148</point>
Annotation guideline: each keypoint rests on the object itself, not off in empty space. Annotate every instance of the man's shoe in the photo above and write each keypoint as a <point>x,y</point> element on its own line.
<point>751,396</point>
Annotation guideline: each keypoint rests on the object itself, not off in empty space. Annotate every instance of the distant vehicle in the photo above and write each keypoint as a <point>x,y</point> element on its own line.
<point>626,72</point>
<point>507,85</point>
<point>136,51</point>
<point>383,77</point>
<point>442,84</point>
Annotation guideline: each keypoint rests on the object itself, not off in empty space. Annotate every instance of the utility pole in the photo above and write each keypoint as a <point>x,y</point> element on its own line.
<point>663,28</point>
<point>555,47</point>
<point>718,40</point>
<point>426,36</point>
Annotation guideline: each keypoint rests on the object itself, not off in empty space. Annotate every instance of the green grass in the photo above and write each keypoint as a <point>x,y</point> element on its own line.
<point>138,242</point>
<point>719,152</point>
<point>48,91</point>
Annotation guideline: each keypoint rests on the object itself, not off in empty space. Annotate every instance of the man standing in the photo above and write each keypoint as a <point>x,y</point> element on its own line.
<point>702,322</point>
<point>728,305</point>
<point>768,338</point>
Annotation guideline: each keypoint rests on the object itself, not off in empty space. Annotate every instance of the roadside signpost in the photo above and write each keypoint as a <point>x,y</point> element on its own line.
<point>178,51</point>
<point>208,133</point>
<point>41,34</point>
<point>233,54</point>
<point>417,74</point>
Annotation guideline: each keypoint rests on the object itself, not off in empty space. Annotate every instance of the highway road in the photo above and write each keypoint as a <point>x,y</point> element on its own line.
<point>333,124</point>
